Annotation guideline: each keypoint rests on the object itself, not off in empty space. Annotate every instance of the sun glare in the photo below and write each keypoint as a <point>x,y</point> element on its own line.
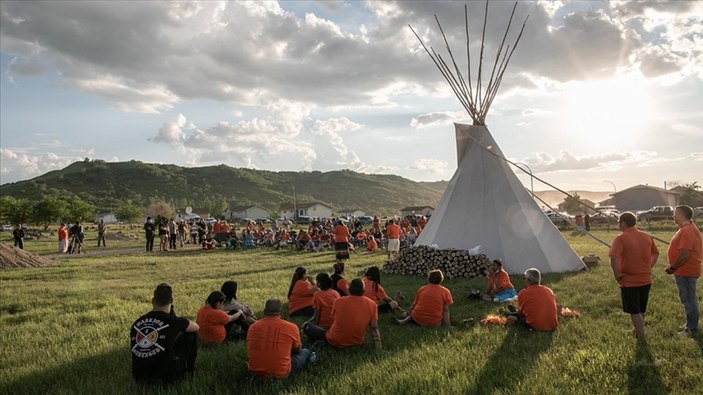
<point>606,111</point>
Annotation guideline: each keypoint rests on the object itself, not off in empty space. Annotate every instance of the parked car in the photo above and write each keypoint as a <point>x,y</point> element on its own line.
<point>558,219</point>
<point>6,228</point>
<point>656,213</point>
<point>303,219</point>
<point>365,220</point>
<point>698,212</point>
<point>210,220</point>
<point>604,217</point>
<point>263,220</point>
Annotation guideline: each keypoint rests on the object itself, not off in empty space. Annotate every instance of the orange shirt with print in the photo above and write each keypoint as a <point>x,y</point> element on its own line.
<point>500,281</point>
<point>352,316</point>
<point>212,325</point>
<point>301,296</point>
<point>688,237</point>
<point>341,233</point>
<point>430,301</point>
<point>322,301</point>
<point>539,305</point>
<point>270,342</point>
<point>375,295</point>
<point>393,231</point>
<point>634,250</point>
<point>372,245</point>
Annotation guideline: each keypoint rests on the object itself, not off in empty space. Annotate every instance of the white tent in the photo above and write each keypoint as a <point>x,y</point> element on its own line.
<point>485,204</point>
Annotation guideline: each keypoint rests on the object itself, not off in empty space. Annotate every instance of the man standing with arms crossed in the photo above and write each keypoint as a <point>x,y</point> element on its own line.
<point>632,256</point>
<point>685,264</point>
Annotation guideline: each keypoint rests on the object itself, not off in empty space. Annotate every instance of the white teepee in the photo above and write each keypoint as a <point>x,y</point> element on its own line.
<point>485,204</point>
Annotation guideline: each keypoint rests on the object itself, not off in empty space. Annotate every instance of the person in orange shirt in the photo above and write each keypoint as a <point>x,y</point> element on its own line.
<point>353,316</point>
<point>300,293</point>
<point>323,300</point>
<point>537,305</point>
<point>212,320</point>
<point>685,264</point>
<point>431,304</point>
<point>375,292</point>
<point>393,232</point>
<point>632,256</point>
<point>339,283</point>
<point>341,241</point>
<point>273,345</point>
<point>500,289</point>
<point>63,239</point>
<point>372,245</point>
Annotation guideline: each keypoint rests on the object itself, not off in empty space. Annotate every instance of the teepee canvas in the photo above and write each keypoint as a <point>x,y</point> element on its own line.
<point>485,204</point>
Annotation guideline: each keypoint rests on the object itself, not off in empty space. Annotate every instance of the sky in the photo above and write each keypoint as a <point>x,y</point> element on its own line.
<point>597,95</point>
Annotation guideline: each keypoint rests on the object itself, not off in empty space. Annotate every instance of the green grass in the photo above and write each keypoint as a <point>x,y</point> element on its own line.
<point>65,330</point>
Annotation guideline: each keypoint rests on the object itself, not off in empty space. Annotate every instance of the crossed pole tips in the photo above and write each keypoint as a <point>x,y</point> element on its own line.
<point>477,101</point>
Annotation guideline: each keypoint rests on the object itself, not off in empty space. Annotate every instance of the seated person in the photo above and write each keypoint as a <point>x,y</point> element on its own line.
<point>375,292</point>
<point>208,243</point>
<point>273,345</point>
<point>248,240</point>
<point>232,240</point>
<point>339,283</point>
<point>353,316</point>
<point>164,347</point>
<point>323,300</point>
<point>500,289</point>
<point>431,304</point>
<point>212,319</point>
<point>537,305</point>
<point>300,293</point>
<point>372,245</point>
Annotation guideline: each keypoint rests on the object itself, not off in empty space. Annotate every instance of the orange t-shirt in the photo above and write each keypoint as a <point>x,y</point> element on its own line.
<point>301,296</point>
<point>634,250</point>
<point>323,301</point>
<point>369,292</point>
<point>539,305</point>
<point>341,234</point>
<point>393,231</point>
<point>500,281</point>
<point>343,285</point>
<point>212,325</point>
<point>430,301</point>
<point>372,245</point>
<point>352,315</point>
<point>270,342</point>
<point>285,236</point>
<point>688,237</point>
<point>216,227</point>
<point>63,234</point>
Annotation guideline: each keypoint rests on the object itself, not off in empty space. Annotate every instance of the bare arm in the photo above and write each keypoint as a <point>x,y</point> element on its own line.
<point>445,317</point>
<point>680,260</point>
<point>316,316</point>
<point>614,266</point>
<point>375,334</point>
<point>235,316</point>
<point>192,326</point>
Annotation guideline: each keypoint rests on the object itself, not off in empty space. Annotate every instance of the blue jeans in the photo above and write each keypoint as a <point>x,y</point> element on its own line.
<point>689,299</point>
<point>299,360</point>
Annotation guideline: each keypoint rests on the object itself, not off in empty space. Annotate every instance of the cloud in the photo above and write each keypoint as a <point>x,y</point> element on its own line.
<point>343,157</point>
<point>435,118</point>
<point>433,166</point>
<point>16,165</point>
<point>566,161</point>
<point>171,132</point>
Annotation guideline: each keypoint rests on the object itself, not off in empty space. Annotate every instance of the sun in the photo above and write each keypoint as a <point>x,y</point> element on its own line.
<point>612,111</point>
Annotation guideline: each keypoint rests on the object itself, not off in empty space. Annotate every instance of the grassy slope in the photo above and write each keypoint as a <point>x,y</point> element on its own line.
<point>65,329</point>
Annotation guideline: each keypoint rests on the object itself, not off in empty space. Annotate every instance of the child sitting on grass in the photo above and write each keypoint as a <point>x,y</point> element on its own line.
<point>500,289</point>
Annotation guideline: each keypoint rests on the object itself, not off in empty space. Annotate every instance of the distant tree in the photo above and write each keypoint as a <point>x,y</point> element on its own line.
<point>158,207</point>
<point>14,210</point>
<point>48,211</point>
<point>571,204</point>
<point>130,213</point>
<point>218,206</point>
<point>691,196</point>
<point>78,210</point>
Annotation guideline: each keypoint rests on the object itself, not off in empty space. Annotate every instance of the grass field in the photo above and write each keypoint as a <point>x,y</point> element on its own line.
<point>65,331</point>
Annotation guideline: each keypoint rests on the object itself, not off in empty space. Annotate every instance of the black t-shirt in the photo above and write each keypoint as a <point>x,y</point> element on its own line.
<point>151,340</point>
<point>149,228</point>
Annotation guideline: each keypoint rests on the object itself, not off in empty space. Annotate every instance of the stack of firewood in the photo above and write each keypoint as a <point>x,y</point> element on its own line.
<point>453,263</point>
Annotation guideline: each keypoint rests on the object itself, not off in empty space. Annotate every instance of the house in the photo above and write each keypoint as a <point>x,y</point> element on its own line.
<point>416,210</point>
<point>316,209</point>
<point>246,211</point>
<point>643,197</point>
<point>108,218</point>
<point>577,209</point>
<point>352,213</point>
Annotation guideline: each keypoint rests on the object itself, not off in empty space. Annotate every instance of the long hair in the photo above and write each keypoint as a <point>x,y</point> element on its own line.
<point>298,275</point>
<point>229,288</point>
<point>214,298</point>
<point>374,274</point>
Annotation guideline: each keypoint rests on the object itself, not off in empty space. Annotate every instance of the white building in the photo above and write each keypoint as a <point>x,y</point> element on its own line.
<point>316,210</point>
<point>246,211</point>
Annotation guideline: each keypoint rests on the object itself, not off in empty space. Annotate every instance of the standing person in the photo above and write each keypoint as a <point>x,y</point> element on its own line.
<point>685,264</point>
<point>163,235</point>
<point>63,239</point>
<point>632,256</point>
<point>149,231</point>
<point>77,235</point>
<point>164,346</point>
<point>587,222</point>
<point>341,241</point>
<point>273,345</point>
<point>18,236</point>
<point>182,230</point>
<point>102,228</point>
<point>300,293</point>
<point>431,304</point>
<point>193,232</point>
<point>172,233</point>
<point>393,232</point>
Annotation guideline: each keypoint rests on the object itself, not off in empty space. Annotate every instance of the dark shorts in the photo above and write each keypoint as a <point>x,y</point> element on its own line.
<point>384,307</point>
<point>634,299</point>
<point>307,311</point>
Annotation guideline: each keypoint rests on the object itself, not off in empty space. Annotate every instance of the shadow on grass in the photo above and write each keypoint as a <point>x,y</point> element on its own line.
<point>643,374</point>
<point>512,362</point>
